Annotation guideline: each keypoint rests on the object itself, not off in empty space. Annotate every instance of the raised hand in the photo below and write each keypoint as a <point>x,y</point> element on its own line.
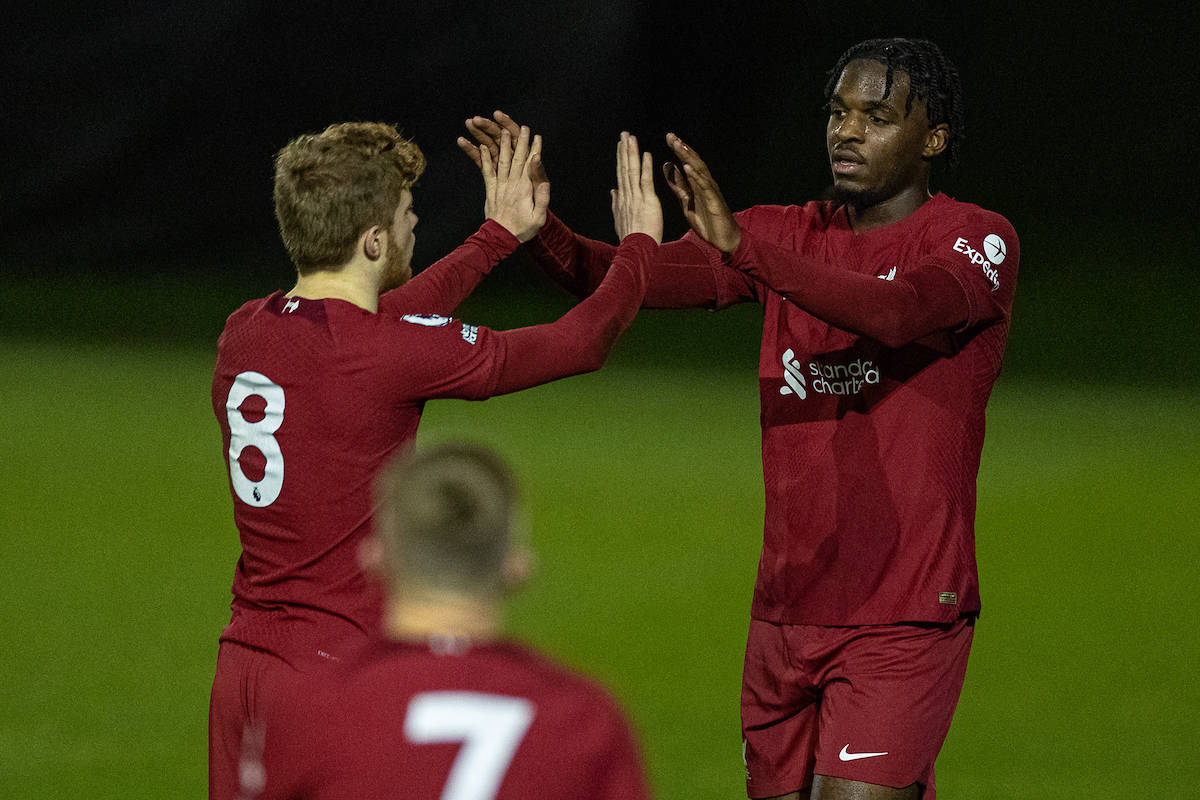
<point>700,198</point>
<point>635,205</point>
<point>510,197</point>
<point>487,135</point>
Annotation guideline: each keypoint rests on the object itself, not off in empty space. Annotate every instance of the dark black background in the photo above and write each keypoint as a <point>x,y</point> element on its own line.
<point>139,136</point>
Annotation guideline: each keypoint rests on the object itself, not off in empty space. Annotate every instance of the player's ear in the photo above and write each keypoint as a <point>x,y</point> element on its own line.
<point>936,140</point>
<point>373,241</point>
<point>518,568</point>
<point>371,558</point>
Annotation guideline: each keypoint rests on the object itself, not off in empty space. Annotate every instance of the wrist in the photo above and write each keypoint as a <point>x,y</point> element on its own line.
<point>731,243</point>
<point>497,229</point>
<point>527,234</point>
<point>518,231</point>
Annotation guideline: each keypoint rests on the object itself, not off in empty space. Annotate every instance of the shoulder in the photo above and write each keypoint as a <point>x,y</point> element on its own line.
<point>813,212</point>
<point>958,231</point>
<point>250,308</point>
<point>560,684</point>
<point>947,213</point>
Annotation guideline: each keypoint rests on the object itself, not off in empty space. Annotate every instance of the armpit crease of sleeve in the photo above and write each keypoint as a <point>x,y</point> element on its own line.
<point>922,301</point>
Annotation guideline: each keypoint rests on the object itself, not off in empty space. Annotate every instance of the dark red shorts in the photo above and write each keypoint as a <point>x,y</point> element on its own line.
<point>870,703</point>
<point>246,685</point>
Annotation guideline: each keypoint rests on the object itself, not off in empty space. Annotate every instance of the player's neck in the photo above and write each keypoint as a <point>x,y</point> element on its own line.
<point>885,212</point>
<point>351,283</point>
<point>420,616</point>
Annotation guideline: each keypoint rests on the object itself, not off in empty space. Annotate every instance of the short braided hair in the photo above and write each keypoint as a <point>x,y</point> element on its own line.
<point>931,77</point>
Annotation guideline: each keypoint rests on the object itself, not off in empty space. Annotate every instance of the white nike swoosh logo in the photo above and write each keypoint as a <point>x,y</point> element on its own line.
<point>846,755</point>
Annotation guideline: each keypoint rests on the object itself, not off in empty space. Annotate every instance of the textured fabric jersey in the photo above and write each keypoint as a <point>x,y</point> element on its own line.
<point>314,396</point>
<point>447,719</point>
<point>879,353</point>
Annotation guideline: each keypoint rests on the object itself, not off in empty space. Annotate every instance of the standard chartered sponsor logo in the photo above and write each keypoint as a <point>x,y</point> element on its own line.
<point>993,252</point>
<point>792,375</point>
<point>841,380</point>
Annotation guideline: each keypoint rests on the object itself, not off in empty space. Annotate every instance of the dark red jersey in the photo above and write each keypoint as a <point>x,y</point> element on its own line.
<point>879,352</point>
<point>450,720</point>
<point>314,396</point>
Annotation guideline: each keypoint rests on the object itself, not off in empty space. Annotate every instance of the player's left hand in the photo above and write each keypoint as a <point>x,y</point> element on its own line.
<point>635,205</point>
<point>487,134</point>
<point>700,198</point>
<point>510,198</point>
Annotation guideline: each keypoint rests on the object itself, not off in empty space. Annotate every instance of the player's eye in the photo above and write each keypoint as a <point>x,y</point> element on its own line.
<point>878,121</point>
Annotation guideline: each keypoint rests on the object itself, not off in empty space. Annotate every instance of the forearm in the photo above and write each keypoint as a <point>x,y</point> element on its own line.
<point>895,312</point>
<point>581,339</point>
<point>684,274</point>
<point>443,285</point>
<point>576,263</point>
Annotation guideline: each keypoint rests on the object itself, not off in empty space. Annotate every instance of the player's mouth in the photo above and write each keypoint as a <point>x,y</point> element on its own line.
<point>845,161</point>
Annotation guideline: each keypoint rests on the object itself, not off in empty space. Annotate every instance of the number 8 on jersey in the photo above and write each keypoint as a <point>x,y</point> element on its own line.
<point>259,434</point>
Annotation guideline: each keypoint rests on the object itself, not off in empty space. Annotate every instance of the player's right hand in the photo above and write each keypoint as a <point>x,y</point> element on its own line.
<point>510,198</point>
<point>700,198</point>
<point>487,134</point>
<point>635,205</point>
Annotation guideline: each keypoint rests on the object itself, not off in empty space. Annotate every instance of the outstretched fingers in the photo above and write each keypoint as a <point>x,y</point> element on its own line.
<point>647,174</point>
<point>623,164</point>
<point>686,155</point>
<point>506,122</point>
<point>635,205</point>
<point>486,133</point>
<point>505,161</point>
<point>706,189</point>
<point>541,201</point>
<point>535,155</point>
<point>472,151</point>
<point>488,171</point>
<point>521,155</point>
<point>678,184</point>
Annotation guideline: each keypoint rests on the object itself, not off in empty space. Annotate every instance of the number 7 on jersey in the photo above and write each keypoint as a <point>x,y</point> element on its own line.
<point>489,726</point>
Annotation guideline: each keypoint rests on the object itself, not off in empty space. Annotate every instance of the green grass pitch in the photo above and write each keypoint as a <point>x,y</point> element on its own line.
<point>644,486</point>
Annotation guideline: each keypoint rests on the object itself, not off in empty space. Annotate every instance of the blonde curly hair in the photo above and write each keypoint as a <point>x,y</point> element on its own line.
<point>331,186</point>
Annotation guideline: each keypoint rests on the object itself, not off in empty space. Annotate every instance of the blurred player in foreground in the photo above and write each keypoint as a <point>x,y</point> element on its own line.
<point>886,312</point>
<point>440,705</point>
<point>316,388</point>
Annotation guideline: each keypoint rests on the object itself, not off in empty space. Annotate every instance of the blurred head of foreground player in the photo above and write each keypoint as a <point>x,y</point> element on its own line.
<point>451,542</point>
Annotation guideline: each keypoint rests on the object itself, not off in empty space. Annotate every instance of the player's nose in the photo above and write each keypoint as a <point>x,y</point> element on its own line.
<point>848,129</point>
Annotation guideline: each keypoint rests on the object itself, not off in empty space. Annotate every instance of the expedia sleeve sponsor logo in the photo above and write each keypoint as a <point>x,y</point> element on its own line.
<point>993,252</point>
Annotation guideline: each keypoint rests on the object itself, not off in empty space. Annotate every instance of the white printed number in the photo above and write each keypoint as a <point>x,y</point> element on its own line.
<point>259,434</point>
<point>489,726</point>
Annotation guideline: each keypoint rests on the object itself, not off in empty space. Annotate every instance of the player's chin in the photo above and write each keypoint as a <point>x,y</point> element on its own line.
<point>852,192</point>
